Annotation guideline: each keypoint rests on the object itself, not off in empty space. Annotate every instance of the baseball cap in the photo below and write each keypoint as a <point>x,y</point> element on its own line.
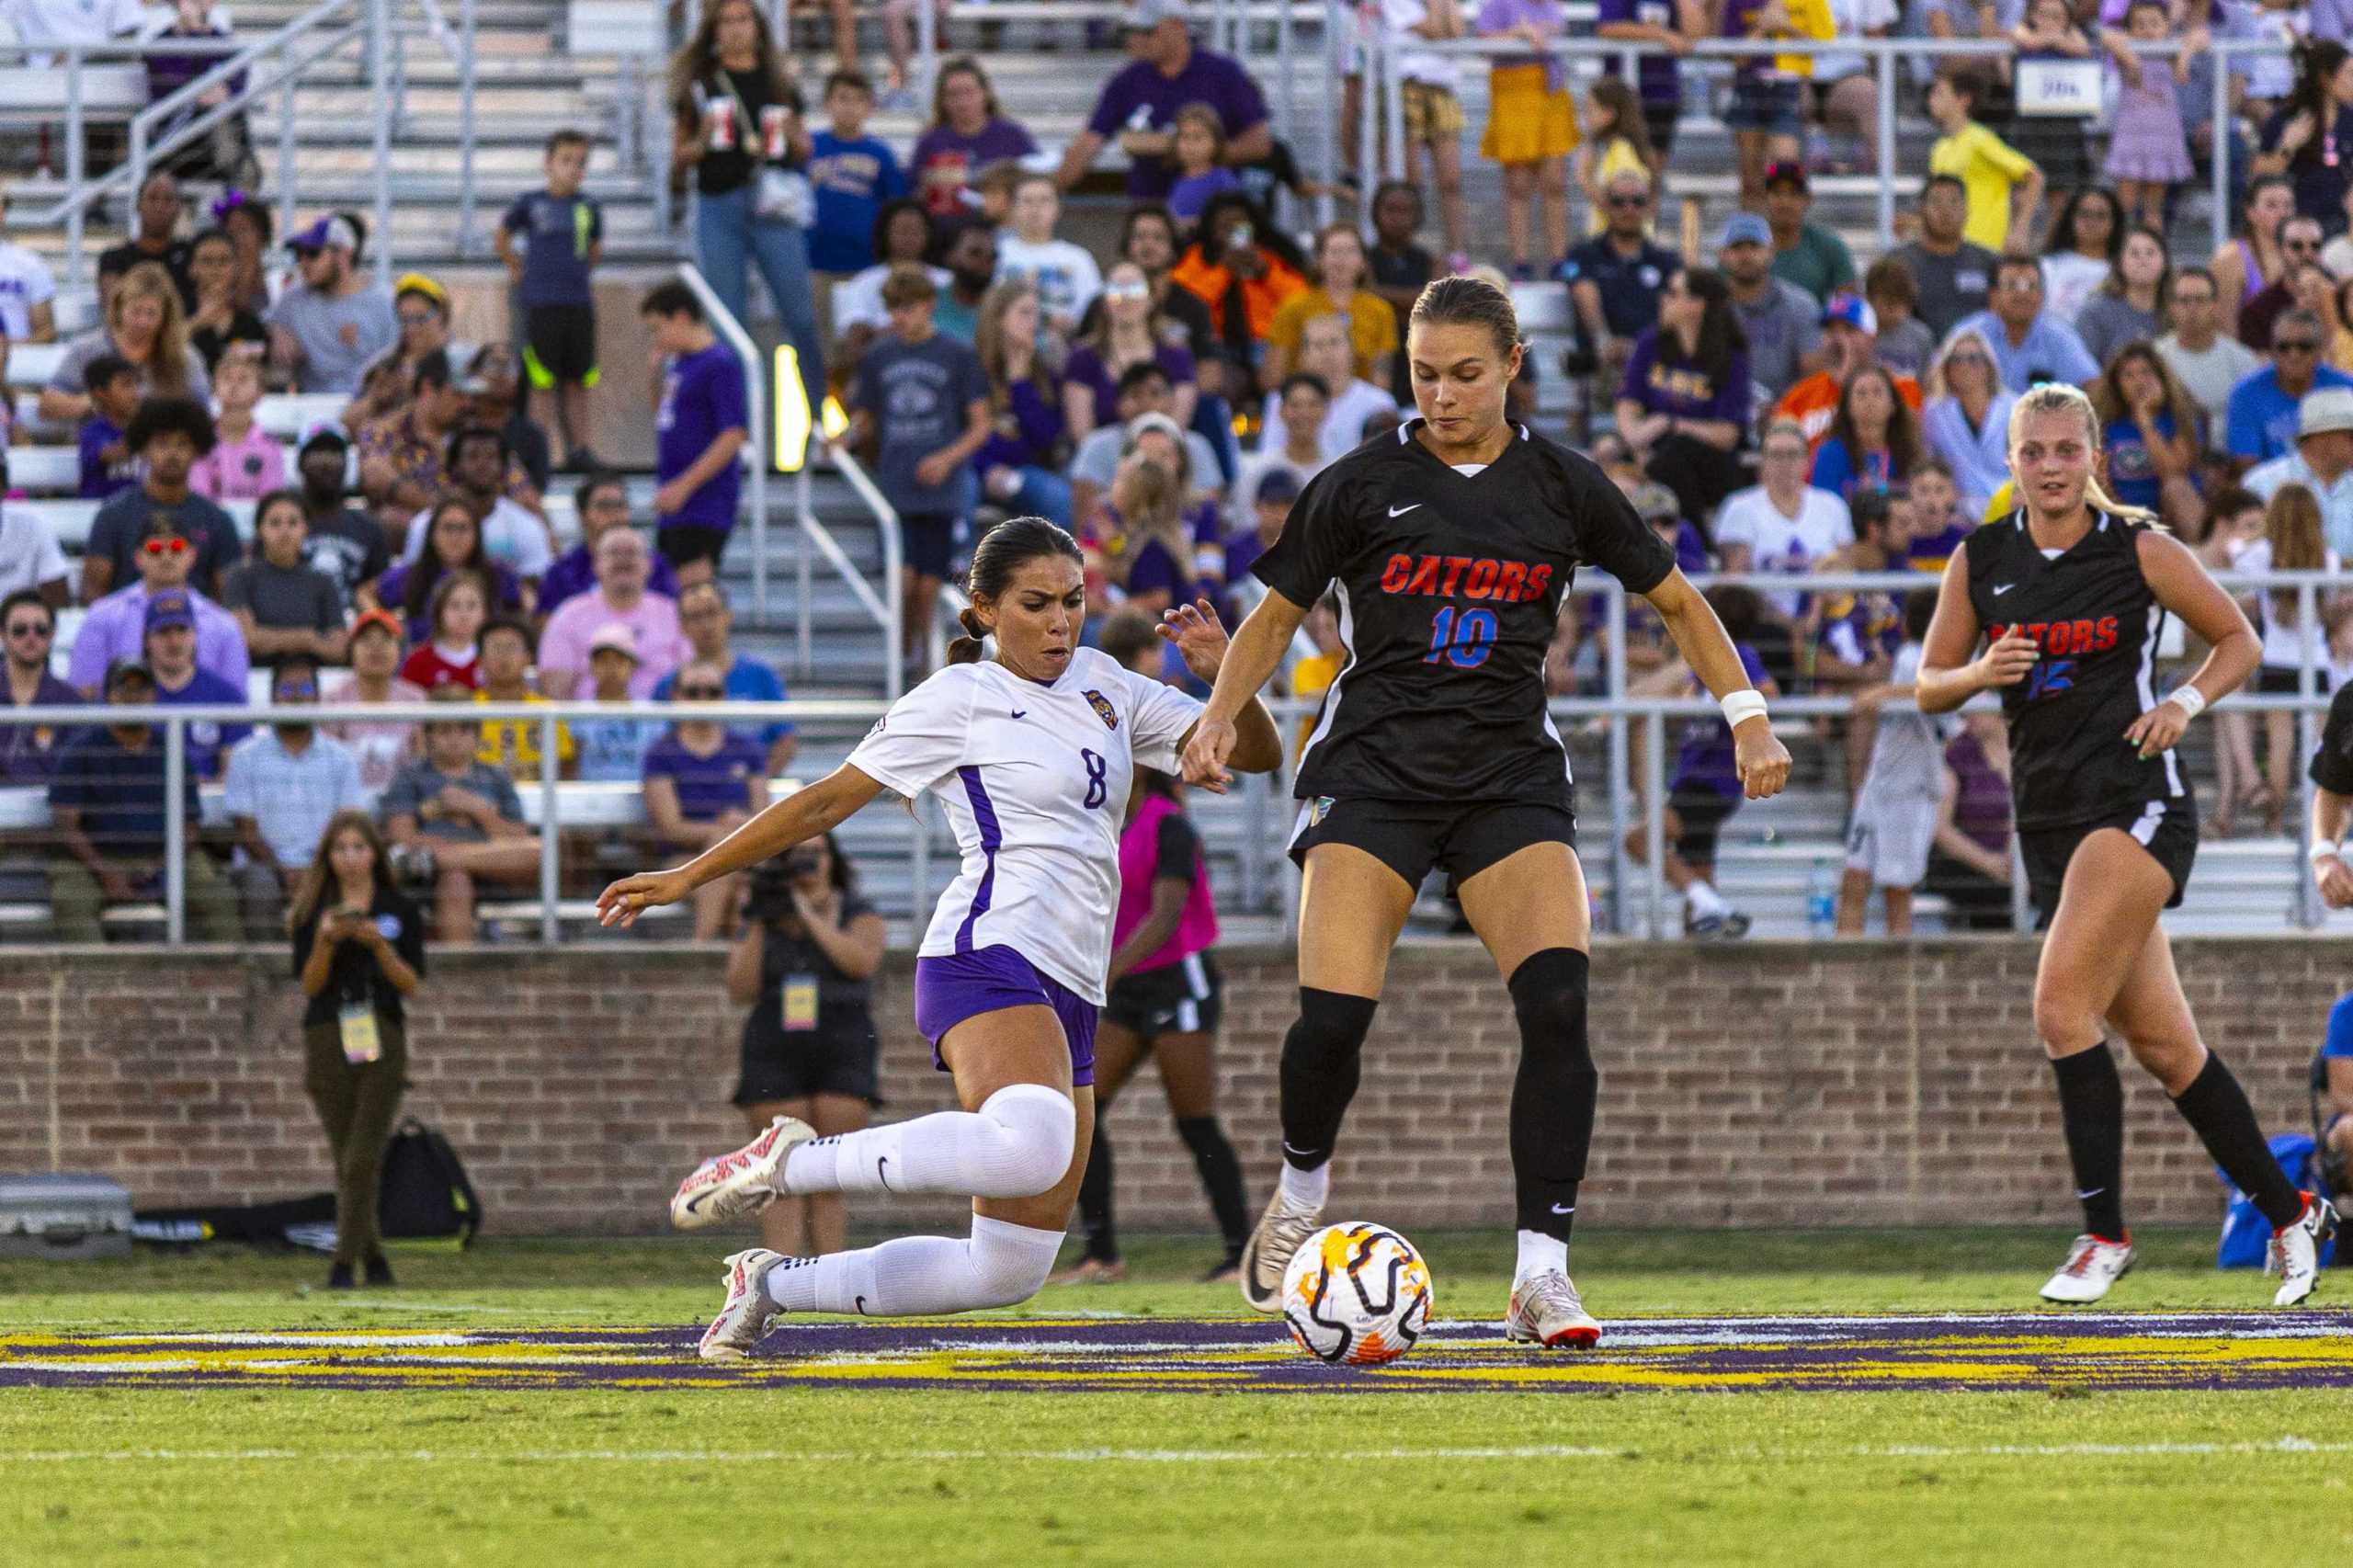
<point>125,670</point>
<point>1160,422</point>
<point>170,608</point>
<point>328,234</point>
<point>1146,15</point>
<point>326,438</point>
<point>1654,502</point>
<point>419,283</point>
<point>2323,410</point>
<point>1277,484</point>
<point>382,620</point>
<point>1853,309</point>
<point>1791,175</point>
<point>1744,229</point>
<point>614,639</point>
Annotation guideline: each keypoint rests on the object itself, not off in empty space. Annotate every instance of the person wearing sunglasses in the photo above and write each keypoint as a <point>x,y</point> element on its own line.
<point>1966,418</point>
<point>116,625</point>
<point>702,782</point>
<point>1615,277</point>
<point>285,783</point>
<point>27,631</point>
<point>2030,344</point>
<point>2261,424</point>
<point>2300,243</point>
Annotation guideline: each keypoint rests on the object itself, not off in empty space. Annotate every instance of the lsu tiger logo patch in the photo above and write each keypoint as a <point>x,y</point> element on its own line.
<point>1104,711</point>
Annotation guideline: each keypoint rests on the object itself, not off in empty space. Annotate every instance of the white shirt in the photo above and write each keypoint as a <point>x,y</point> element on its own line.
<point>73,21</point>
<point>1777,542</point>
<point>1853,19</point>
<point>858,301</point>
<point>2283,649</point>
<point>2335,500</point>
<point>1412,65</point>
<point>1034,779</point>
<point>513,534</point>
<point>30,555</point>
<point>1343,430</point>
<point>25,281</point>
<point>1065,275</point>
<point>2069,279</point>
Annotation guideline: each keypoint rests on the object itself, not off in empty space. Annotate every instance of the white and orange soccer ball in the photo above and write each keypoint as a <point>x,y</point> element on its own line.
<point>1357,1295</point>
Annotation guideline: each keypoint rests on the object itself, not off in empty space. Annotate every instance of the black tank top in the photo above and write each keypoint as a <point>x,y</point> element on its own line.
<point>2093,616</point>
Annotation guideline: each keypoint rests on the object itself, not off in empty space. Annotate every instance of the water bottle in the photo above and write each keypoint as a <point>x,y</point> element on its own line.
<point>1822,899</point>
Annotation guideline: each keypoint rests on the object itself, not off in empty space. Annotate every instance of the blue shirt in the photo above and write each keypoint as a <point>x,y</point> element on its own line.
<point>2052,352</point>
<point>118,792</point>
<point>2263,418</point>
<point>101,479</point>
<point>749,680</point>
<point>1835,470</point>
<point>702,399</point>
<point>612,751</point>
<point>853,180</point>
<point>559,233</point>
<point>1980,458</point>
<point>2339,1042</point>
<point>918,396</point>
<point>2132,473</point>
<point>709,785</point>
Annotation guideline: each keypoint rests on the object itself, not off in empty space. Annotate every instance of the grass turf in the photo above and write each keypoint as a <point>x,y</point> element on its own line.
<point>124,1475</point>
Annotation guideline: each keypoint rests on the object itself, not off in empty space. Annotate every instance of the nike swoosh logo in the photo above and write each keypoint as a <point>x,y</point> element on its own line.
<point>882,1171</point>
<point>2004,589</point>
<point>2095,1192</point>
<point>861,1306</point>
<point>1401,511</point>
<point>1021,712</point>
<point>1569,1208</point>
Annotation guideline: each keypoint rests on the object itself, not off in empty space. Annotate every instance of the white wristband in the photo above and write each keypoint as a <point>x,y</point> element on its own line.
<point>2188,699</point>
<point>1741,705</point>
<point>2322,852</point>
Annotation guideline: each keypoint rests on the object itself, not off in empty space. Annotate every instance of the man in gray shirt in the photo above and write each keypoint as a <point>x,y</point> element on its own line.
<point>1781,320</point>
<point>328,327</point>
<point>1952,275</point>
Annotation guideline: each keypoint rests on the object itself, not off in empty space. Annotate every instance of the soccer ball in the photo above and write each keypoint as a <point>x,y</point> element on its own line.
<point>1357,1295</point>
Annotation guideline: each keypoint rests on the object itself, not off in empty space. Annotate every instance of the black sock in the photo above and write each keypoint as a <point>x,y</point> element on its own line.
<point>1221,1179</point>
<point>1552,1096</point>
<point>1094,1198</point>
<point>2091,1108</point>
<point>2217,1108</point>
<point>1320,1071</point>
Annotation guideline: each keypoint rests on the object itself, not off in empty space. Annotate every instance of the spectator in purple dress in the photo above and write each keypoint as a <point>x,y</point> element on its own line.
<point>602,503</point>
<point>1139,105</point>
<point>968,132</point>
<point>702,782</point>
<point>1018,462</point>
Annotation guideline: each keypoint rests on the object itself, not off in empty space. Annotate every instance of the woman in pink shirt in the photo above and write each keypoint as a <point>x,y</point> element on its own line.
<point>246,462</point>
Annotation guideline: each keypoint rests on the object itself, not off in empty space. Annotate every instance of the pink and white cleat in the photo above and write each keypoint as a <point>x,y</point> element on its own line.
<point>744,1319</point>
<point>742,1183</point>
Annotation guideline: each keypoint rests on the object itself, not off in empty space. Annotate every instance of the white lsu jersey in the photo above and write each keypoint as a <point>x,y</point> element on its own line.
<point>1035,779</point>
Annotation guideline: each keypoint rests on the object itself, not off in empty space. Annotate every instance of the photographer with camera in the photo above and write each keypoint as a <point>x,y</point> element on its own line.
<point>804,963</point>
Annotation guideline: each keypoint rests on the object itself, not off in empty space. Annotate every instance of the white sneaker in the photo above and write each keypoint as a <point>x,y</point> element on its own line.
<point>742,1183</point>
<point>744,1319</point>
<point>1546,1309</point>
<point>2093,1265</point>
<point>1281,1232</point>
<point>2294,1253</point>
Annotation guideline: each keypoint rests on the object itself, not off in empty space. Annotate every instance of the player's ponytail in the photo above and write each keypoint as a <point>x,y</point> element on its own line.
<point>2058,397</point>
<point>966,650</point>
<point>1003,551</point>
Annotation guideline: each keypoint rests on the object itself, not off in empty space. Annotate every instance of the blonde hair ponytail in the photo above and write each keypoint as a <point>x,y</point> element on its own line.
<point>2057,397</point>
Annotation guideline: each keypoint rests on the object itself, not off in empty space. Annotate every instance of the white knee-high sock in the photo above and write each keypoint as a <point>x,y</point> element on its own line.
<point>1016,1145</point>
<point>1001,1266</point>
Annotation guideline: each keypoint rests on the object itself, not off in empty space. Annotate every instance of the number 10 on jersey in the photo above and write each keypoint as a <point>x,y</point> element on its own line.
<point>1463,642</point>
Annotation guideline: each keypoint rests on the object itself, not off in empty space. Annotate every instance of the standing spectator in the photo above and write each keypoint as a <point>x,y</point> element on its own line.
<point>2322,464</point>
<point>2128,308</point>
<point>708,620</point>
<point>480,465</point>
<point>554,283</point>
<point>2002,186</point>
<point>326,328</point>
<point>853,175</point>
<point>1616,141</point>
<point>1901,342</point>
<point>1804,254</point>
<point>1874,439</point>
<point>1197,146</point>
<point>2084,239</point>
<point>285,607</point>
<point>1850,343</point>
<point>1894,820</point>
<point>156,239</point>
<point>1341,291</point>
<point>455,824</point>
<point>452,544</point>
<point>1065,275</point>
<point>612,751</point>
<point>2031,345</point>
<point>1845,87</point>
<point>219,323</point>
<point>1673,27</point>
<point>107,806</point>
<point>2200,357</point>
<point>2148,152</point>
<point>380,746</point>
<point>27,631</point>
<point>1615,279</point>
<point>113,627</point>
<point>2300,247</point>
<point>451,652</point>
<point>1433,114</point>
<point>246,462</point>
<point>359,952</point>
<point>1953,276</point>
<point>1126,332</point>
<point>146,326</point>
<point>513,744</point>
<point>1400,268</point>
<point>737,125</point>
<point>285,783</point>
<point>2247,263</point>
<point>621,598</point>
<point>921,399</point>
<point>1763,116</point>
<point>1531,126</point>
<point>2261,424</point>
<point>1782,321</point>
<point>2047,32</point>
<point>344,542</point>
<point>967,134</point>
<point>1684,402</point>
<point>168,649</point>
<point>702,782</point>
<point>700,427</point>
<point>2303,134</point>
<point>27,291</point>
<point>1326,354</point>
<point>2149,433</point>
<point>1969,859</point>
<point>1967,418</point>
<point>602,505</point>
<point>31,561</point>
<point>1139,104</point>
<point>168,436</point>
<point>108,467</point>
<point>1019,465</point>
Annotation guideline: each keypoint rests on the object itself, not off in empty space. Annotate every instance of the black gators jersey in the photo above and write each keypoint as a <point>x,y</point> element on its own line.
<point>1449,586</point>
<point>2332,767</point>
<point>2092,614</point>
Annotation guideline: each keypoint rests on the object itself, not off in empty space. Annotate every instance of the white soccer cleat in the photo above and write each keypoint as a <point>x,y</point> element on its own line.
<point>2294,1253</point>
<point>1282,1230</point>
<point>742,1183</point>
<point>741,1322</point>
<point>2093,1265</point>
<point>1546,1309</point>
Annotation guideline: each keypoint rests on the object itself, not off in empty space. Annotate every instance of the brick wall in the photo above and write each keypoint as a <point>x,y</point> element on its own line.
<point>1761,1085</point>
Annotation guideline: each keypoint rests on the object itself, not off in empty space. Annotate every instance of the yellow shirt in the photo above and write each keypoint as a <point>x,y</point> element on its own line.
<point>1372,324</point>
<point>1808,18</point>
<point>1987,167</point>
<point>514,744</point>
<point>1312,676</point>
<point>2004,502</point>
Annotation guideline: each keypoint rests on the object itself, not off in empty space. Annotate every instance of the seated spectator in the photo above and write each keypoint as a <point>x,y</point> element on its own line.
<point>2321,464</point>
<point>220,323</point>
<point>1292,442</point>
<point>2149,435</point>
<point>967,250</point>
<point>27,291</point>
<point>1144,391</point>
<point>166,435</point>
<point>284,606</point>
<point>708,621</point>
<point>1856,632</point>
<point>1951,275</point>
<point>1126,332</point>
<point>513,532</point>
<point>1874,439</point>
<point>145,325</point>
<point>1342,290</point>
<point>328,327</point>
<point>967,131</point>
<point>246,221</point>
<point>1850,342</point>
<point>30,558</point>
<point>902,237</point>
<point>1019,465</point>
<point>2084,239</point>
<point>514,744</point>
<point>107,466</point>
<point>602,505</point>
<point>168,651</point>
<point>401,451</point>
<point>702,782</point>
<point>621,598</point>
<point>421,313</point>
<point>27,633</point>
<point>1149,239</point>
<point>2030,345</point>
<point>1244,270</point>
<point>1139,551</point>
<point>2129,306</point>
<point>1064,274</point>
<point>1326,354</point>
<point>1939,525</point>
<point>1903,342</point>
<point>1614,278</point>
<point>115,626</point>
<point>699,434</point>
<point>107,808</point>
<point>1782,525</point>
<point>2262,409</point>
<point>494,387</point>
<point>344,542</point>
<point>1656,505</point>
<point>1804,254</point>
<point>1270,502</point>
<point>246,462</point>
<point>1969,859</point>
<point>453,544</point>
<point>451,653</point>
<point>154,241</point>
<point>455,824</point>
<point>1683,404</point>
<point>1967,418</point>
<point>381,746</point>
<point>284,783</point>
<point>612,751</point>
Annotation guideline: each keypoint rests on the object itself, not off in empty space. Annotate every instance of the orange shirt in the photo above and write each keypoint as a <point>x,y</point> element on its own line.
<point>1261,296</point>
<point>1813,403</point>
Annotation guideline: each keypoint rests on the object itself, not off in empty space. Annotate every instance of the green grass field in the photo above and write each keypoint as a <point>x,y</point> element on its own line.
<point>2043,1468</point>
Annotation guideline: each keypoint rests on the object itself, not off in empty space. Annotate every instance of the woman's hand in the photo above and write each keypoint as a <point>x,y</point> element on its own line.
<point>2297,131</point>
<point>622,902</point>
<point>1760,758</point>
<point>2335,878</point>
<point>2006,661</point>
<point>1200,638</point>
<point>1205,754</point>
<point>2157,729</point>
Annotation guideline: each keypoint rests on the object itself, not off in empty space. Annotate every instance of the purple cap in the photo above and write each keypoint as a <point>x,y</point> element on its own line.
<point>171,607</point>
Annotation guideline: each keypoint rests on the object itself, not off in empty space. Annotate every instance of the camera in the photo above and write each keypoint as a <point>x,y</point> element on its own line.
<point>770,896</point>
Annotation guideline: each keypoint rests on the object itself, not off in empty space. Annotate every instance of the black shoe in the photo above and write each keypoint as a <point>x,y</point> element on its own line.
<point>339,1277</point>
<point>378,1271</point>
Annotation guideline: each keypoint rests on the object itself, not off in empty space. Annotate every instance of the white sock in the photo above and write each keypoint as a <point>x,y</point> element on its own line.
<point>1539,1254</point>
<point>1016,1145</point>
<point>1001,1266</point>
<point>1306,1189</point>
<point>1705,900</point>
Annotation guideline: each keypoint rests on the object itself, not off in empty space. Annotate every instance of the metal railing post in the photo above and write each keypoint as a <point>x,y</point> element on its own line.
<point>1885,64</point>
<point>379,34</point>
<point>804,506</point>
<point>550,835</point>
<point>926,50</point>
<point>1368,113</point>
<point>175,831</point>
<point>467,75</point>
<point>1327,121</point>
<point>76,163</point>
<point>658,155</point>
<point>286,159</point>
<point>1393,106</point>
<point>2219,161</point>
<point>2308,636</point>
<point>1655,821</point>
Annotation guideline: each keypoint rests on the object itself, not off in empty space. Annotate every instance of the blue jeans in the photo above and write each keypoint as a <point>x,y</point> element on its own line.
<point>728,240</point>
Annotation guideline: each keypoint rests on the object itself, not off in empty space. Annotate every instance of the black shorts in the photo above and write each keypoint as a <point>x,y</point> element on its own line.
<point>1411,836</point>
<point>930,542</point>
<point>559,345</point>
<point>683,544</point>
<point>1701,812</point>
<point>2270,680</point>
<point>791,1067</point>
<point>1659,119</point>
<point>1184,997</point>
<point>2166,829</point>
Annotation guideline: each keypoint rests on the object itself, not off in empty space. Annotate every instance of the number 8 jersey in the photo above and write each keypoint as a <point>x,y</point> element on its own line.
<point>1450,580</point>
<point>1034,779</point>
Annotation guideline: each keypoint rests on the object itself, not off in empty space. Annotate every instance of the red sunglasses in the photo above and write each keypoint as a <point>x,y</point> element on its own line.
<point>165,546</point>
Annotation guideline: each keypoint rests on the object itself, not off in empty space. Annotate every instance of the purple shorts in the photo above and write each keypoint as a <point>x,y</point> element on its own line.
<point>951,988</point>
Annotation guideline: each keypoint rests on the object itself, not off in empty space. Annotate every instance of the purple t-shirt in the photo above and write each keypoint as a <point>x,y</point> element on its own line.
<point>951,151</point>
<point>1736,18</point>
<point>1655,77</point>
<point>1707,760</point>
<point>1141,98</point>
<point>1085,369</point>
<point>709,785</point>
<point>703,396</point>
<point>1686,391</point>
<point>1497,17</point>
<point>573,573</point>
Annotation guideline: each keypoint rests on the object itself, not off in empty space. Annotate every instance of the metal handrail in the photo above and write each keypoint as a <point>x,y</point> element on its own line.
<point>890,609</point>
<point>756,407</point>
